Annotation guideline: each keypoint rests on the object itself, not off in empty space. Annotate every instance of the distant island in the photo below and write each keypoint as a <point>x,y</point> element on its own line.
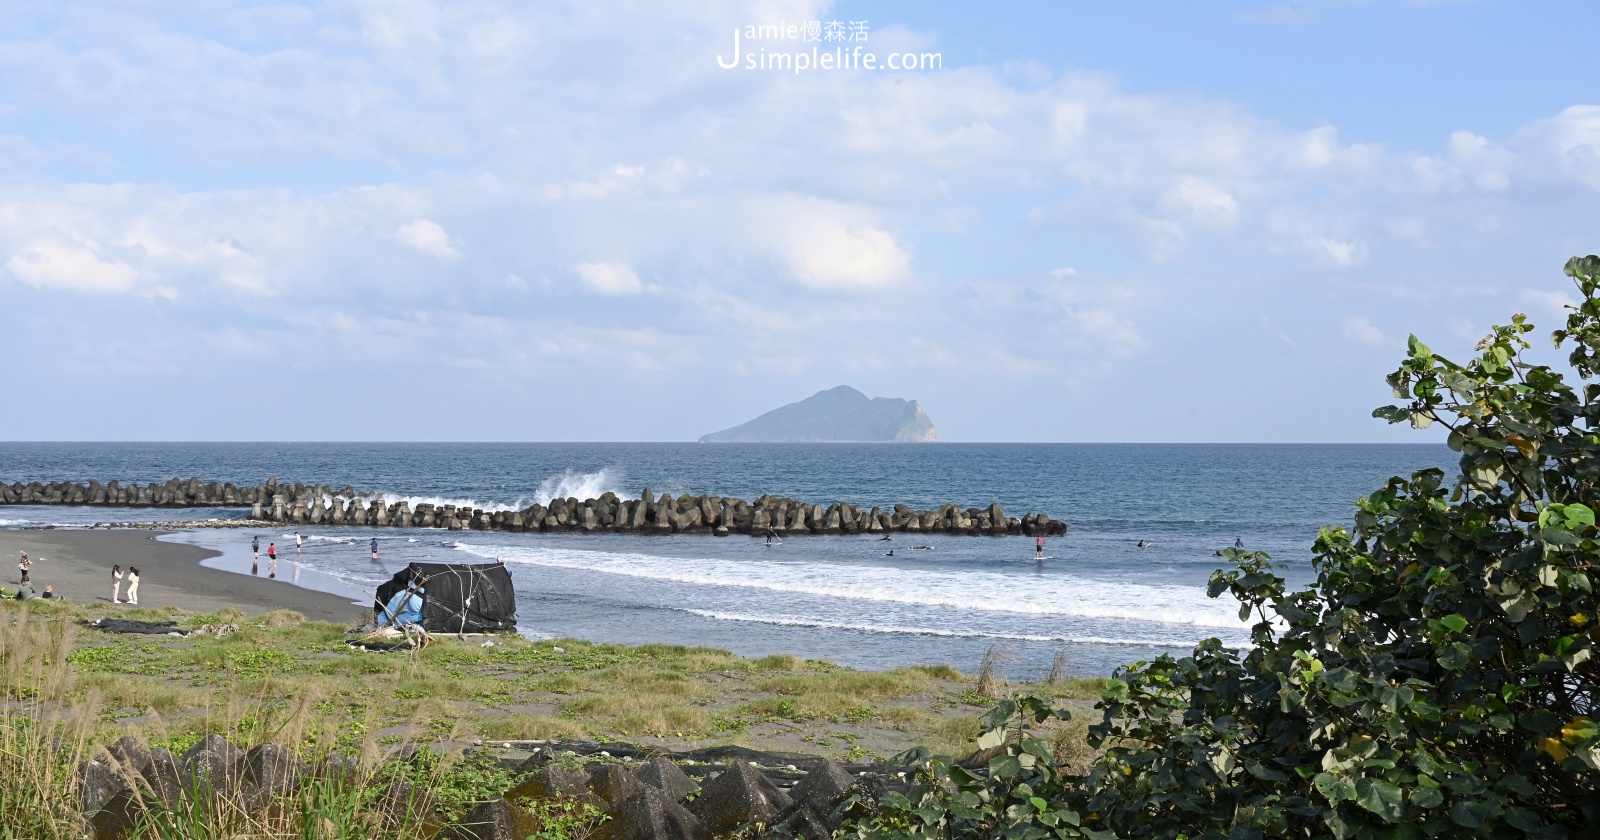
<point>836,415</point>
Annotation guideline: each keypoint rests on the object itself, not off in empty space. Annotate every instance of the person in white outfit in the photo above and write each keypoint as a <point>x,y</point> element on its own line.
<point>133,586</point>
<point>116,584</point>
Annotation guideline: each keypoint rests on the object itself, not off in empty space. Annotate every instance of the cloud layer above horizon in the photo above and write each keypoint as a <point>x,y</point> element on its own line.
<point>477,220</point>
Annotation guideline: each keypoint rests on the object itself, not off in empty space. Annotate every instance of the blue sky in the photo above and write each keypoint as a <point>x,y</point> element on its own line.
<point>477,220</point>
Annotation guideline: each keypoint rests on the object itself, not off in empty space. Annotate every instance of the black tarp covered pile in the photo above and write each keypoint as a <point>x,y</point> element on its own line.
<point>129,625</point>
<point>458,598</point>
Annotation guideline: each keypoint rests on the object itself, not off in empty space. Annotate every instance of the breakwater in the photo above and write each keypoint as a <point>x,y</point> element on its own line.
<point>320,504</point>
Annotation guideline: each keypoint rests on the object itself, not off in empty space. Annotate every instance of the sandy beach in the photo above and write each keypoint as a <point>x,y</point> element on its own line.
<point>78,564</point>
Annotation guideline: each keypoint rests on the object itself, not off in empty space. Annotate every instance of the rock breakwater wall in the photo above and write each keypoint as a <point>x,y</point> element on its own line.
<point>321,504</point>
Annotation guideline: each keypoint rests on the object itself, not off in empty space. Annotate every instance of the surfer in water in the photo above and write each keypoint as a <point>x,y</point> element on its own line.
<point>923,547</point>
<point>890,553</point>
<point>1144,544</point>
<point>1238,542</point>
<point>885,538</point>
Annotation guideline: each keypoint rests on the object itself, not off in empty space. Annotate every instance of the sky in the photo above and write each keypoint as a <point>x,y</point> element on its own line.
<point>510,221</point>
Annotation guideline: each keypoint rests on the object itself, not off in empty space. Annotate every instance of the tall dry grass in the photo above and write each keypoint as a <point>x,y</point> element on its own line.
<point>41,730</point>
<point>350,790</point>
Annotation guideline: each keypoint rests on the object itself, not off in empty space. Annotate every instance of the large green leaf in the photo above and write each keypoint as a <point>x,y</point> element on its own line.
<point>1380,797</point>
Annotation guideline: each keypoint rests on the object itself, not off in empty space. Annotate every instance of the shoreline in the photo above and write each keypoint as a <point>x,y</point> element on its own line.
<point>659,695</point>
<point>77,562</point>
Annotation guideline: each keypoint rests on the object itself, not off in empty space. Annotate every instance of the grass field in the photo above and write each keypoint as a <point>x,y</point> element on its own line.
<point>299,683</point>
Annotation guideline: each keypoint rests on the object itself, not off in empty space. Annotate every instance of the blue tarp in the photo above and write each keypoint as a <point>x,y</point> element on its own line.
<point>404,608</point>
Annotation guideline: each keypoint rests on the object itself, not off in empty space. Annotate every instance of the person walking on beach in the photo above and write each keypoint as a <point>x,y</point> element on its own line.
<point>272,559</point>
<point>133,586</point>
<point>116,584</point>
<point>1038,548</point>
<point>374,549</point>
<point>255,549</point>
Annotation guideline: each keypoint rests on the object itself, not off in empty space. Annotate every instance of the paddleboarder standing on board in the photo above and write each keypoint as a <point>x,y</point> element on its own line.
<point>1038,548</point>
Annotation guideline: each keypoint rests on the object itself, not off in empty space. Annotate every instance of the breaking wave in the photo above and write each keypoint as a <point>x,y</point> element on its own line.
<point>571,484</point>
<point>784,621</point>
<point>994,592</point>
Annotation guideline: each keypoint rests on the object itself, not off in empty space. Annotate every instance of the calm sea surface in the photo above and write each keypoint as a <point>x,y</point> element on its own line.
<point>841,598</point>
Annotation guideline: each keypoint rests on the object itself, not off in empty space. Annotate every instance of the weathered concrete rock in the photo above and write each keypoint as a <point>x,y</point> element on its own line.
<point>164,776</point>
<point>118,815</point>
<point>813,801</point>
<point>552,781</point>
<point>496,819</point>
<point>131,754</point>
<point>647,815</point>
<point>821,789</point>
<point>271,770</point>
<point>612,784</point>
<point>339,768</point>
<point>799,822</point>
<point>98,781</point>
<point>737,796</point>
<point>403,802</point>
<point>213,765</point>
<point>664,775</point>
<point>868,790</point>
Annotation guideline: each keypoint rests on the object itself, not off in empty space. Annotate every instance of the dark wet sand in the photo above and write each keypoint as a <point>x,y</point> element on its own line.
<point>78,564</point>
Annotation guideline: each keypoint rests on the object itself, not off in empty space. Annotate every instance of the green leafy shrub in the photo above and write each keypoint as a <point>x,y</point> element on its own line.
<point>1438,680</point>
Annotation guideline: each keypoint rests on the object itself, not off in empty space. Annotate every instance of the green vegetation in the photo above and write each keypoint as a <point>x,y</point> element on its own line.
<point>279,678</point>
<point>1437,681</point>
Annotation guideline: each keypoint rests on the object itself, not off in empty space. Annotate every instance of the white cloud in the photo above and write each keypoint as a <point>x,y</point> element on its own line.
<point>1340,253</point>
<point>48,265</point>
<point>1548,303</point>
<point>428,238</point>
<point>1360,329</point>
<point>610,278</point>
<point>1200,202</point>
<point>833,247</point>
<point>1064,271</point>
<point>828,254</point>
<point>1271,328</point>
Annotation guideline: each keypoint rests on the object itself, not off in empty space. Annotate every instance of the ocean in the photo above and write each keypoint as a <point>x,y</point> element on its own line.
<point>1100,597</point>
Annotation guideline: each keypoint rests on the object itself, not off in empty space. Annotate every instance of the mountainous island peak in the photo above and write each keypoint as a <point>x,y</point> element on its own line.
<point>836,415</point>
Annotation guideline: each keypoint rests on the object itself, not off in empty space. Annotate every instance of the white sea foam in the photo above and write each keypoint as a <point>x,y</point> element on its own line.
<point>785,621</point>
<point>566,485</point>
<point>1057,595</point>
<point>571,484</point>
<point>441,501</point>
<point>12,523</point>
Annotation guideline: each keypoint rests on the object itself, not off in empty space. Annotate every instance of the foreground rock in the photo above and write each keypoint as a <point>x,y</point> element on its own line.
<point>737,796</point>
<point>641,793</point>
